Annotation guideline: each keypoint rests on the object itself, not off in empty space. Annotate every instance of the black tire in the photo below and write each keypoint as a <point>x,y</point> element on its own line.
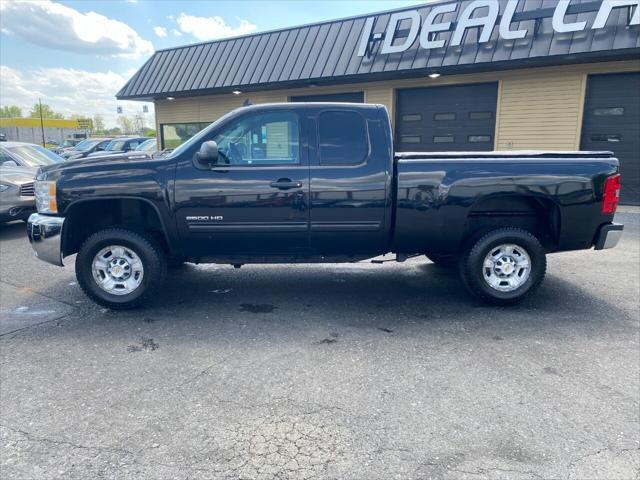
<point>443,261</point>
<point>472,272</point>
<point>150,254</point>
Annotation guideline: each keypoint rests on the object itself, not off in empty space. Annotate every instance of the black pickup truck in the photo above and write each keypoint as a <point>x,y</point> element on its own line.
<point>320,182</point>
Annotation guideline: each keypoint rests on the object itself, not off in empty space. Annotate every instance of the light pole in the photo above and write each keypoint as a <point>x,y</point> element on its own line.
<point>44,144</point>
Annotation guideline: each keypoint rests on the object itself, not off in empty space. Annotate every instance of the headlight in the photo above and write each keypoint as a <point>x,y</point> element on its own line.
<point>3,187</point>
<point>46,197</point>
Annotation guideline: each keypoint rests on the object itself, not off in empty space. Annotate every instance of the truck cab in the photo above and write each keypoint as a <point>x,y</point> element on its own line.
<point>275,183</point>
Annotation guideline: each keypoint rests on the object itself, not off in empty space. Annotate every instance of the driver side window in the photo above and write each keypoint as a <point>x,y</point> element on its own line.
<point>264,139</point>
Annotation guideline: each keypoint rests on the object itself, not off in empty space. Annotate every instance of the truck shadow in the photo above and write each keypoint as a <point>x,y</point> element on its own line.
<point>13,231</point>
<point>388,297</point>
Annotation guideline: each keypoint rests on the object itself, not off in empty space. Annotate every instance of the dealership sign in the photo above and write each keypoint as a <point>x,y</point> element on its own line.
<point>481,14</point>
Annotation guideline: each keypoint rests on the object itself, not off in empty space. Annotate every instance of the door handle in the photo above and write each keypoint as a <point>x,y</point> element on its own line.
<point>285,184</point>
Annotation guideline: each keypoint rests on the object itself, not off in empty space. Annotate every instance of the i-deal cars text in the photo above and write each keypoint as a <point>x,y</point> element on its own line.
<point>320,182</point>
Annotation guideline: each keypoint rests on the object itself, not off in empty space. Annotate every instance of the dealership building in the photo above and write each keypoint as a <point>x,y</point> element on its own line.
<point>454,75</point>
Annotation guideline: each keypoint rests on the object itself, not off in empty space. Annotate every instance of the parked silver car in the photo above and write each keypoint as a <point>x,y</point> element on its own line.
<point>19,163</point>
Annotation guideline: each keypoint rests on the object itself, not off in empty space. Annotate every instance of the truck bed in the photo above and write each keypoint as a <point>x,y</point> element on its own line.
<point>439,195</point>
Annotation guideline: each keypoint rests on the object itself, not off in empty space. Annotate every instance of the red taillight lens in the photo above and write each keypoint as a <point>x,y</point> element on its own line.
<point>611,195</point>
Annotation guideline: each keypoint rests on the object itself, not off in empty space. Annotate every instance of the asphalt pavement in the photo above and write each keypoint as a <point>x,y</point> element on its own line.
<point>355,371</point>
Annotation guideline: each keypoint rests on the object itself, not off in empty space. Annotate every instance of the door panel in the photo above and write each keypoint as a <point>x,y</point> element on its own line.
<point>350,179</point>
<point>255,201</point>
<point>451,118</point>
<point>612,122</point>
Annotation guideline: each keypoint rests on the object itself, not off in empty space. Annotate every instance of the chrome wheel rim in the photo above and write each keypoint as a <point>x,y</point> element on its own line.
<point>117,270</point>
<point>506,267</point>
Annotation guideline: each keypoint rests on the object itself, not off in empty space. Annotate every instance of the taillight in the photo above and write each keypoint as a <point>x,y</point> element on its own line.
<point>611,195</point>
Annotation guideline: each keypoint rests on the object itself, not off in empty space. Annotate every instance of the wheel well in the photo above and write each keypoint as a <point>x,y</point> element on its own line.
<point>86,218</point>
<point>539,216</point>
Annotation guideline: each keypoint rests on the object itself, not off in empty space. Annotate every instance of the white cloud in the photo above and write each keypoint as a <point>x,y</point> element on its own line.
<point>176,33</point>
<point>57,26</point>
<point>210,28</point>
<point>67,91</point>
<point>160,31</point>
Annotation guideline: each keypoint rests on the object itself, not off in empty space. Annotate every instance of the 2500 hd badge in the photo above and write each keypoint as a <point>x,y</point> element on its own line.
<point>203,218</point>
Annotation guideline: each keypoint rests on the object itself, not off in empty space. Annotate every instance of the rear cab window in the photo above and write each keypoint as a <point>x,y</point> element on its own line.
<point>342,138</point>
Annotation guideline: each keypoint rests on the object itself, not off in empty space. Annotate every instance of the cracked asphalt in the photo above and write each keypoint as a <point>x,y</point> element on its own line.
<point>325,371</point>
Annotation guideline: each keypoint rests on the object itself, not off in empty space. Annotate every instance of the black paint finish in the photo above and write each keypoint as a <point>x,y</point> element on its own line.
<point>403,203</point>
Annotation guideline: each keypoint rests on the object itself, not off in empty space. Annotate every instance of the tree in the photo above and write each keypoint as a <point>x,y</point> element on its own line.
<point>126,124</point>
<point>10,111</point>
<point>113,132</point>
<point>149,132</point>
<point>98,123</point>
<point>47,112</point>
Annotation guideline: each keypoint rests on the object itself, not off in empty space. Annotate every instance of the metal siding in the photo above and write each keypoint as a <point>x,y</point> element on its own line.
<point>219,64</point>
<point>264,59</point>
<point>206,64</point>
<point>243,63</point>
<point>292,59</point>
<point>235,58</point>
<point>376,64</point>
<point>338,50</point>
<point>255,59</point>
<point>177,71</point>
<point>329,49</point>
<point>304,53</point>
<point>190,66</point>
<point>268,71</point>
<point>315,49</point>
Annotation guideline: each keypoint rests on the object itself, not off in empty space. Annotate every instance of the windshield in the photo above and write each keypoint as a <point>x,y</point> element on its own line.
<point>198,137</point>
<point>115,145</point>
<point>85,145</point>
<point>35,155</point>
<point>147,146</point>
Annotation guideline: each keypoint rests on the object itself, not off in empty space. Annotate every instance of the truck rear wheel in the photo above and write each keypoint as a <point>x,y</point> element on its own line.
<point>504,266</point>
<point>119,269</point>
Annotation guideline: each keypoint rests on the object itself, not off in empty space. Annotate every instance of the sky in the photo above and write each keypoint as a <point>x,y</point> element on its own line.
<point>76,55</point>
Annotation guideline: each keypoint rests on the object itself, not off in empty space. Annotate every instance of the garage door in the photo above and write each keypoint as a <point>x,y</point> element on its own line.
<point>612,122</point>
<point>453,118</point>
<point>350,97</point>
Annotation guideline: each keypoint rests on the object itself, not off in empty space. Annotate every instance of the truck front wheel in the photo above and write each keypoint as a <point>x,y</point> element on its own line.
<point>504,266</point>
<point>119,269</point>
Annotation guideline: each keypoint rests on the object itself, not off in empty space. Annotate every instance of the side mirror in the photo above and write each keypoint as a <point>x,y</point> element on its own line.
<point>208,153</point>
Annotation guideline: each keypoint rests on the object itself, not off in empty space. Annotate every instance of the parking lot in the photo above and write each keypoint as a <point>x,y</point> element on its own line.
<point>325,371</point>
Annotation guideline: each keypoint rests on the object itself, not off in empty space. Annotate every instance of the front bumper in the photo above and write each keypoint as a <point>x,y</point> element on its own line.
<point>609,236</point>
<point>45,235</point>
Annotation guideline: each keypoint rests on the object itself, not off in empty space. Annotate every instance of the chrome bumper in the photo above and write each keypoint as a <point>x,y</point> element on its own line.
<point>609,236</point>
<point>45,235</point>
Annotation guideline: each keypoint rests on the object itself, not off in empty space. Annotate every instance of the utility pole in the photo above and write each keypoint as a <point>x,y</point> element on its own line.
<point>42,123</point>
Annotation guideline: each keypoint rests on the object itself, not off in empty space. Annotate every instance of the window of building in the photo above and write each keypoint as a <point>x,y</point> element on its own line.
<point>444,139</point>
<point>411,139</point>
<point>271,138</point>
<point>175,134</point>
<point>480,115</point>
<point>440,117</point>
<point>599,137</point>
<point>479,138</point>
<point>343,138</point>
<point>608,112</point>
<point>411,117</point>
